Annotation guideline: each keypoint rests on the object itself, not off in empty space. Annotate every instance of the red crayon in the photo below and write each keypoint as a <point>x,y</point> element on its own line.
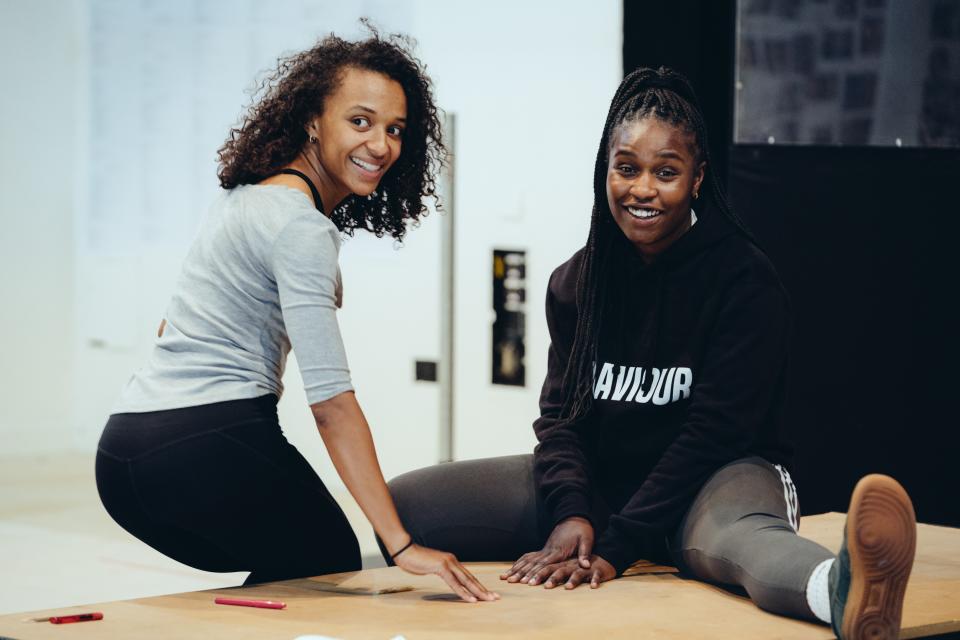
<point>263,604</point>
<point>79,617</point>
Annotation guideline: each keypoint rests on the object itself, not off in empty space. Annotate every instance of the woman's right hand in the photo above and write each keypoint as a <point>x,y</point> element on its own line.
<point>571,537</point>
<point>422,560</point>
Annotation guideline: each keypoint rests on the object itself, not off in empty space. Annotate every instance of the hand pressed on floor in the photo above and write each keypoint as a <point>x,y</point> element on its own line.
<point>571,574</point>
<point>421,560</point>
<point>571,538</point>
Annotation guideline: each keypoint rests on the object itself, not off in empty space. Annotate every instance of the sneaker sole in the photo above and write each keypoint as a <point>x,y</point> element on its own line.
<point>881,541</point>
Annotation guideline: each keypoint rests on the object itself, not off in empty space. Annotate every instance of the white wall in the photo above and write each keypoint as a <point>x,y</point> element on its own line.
<point>529,83</point>
<point>38,138</point>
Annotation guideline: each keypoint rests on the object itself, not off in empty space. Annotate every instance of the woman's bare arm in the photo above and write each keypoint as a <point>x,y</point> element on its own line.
<point>346,434</point>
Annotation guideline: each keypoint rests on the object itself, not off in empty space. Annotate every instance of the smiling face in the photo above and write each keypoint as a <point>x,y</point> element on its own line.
<point>359,134</point>
<point>652,173</point>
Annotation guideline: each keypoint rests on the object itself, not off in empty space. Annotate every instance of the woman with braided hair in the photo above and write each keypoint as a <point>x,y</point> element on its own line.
<point>193,461</point>
<point>661,426</point>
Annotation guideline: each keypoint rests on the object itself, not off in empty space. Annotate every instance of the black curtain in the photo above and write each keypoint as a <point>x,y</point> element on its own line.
<point>863,240</point>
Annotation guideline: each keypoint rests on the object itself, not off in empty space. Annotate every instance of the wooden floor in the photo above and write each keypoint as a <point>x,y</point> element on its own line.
<point>655,604</point>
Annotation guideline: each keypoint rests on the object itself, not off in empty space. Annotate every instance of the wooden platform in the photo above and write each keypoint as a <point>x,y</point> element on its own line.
<point>654,604</point>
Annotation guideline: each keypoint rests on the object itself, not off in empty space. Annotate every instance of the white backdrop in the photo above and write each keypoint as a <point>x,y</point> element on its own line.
<point>124,104</point>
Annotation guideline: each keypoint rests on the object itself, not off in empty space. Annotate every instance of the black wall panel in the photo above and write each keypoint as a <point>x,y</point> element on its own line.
<point>866,242</point>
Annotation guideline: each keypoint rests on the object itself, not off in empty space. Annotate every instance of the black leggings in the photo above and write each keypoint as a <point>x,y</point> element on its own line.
<point>219,488</point>
<point>739,531</point>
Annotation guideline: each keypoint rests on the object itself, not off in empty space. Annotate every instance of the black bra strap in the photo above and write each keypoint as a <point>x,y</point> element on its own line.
<point>316,194</point>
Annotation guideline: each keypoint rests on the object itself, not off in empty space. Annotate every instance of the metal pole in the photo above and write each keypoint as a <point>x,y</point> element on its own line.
<point>447,268</point>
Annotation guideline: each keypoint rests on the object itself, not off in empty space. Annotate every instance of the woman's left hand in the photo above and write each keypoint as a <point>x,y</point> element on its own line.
<point>571,574</point>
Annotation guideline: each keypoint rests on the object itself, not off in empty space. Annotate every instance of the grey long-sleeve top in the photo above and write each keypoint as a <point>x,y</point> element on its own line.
<point>260,278</point>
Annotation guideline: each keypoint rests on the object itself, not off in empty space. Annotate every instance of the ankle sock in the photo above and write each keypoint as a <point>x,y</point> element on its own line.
<point>818,590</point>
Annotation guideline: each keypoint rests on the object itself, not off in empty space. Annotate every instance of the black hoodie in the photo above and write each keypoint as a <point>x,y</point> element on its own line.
<point>690,376</point>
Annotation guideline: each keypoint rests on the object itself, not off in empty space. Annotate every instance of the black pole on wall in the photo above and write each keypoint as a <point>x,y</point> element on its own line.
<point>696,38</point>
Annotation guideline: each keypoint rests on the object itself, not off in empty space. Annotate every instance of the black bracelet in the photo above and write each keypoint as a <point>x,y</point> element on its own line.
<point>402,549</point>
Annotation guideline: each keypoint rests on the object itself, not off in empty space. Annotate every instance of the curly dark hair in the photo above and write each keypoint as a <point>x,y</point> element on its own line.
<point>272,133</point>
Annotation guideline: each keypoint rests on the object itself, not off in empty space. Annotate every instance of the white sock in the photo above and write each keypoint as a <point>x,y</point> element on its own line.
<point>818,590</point>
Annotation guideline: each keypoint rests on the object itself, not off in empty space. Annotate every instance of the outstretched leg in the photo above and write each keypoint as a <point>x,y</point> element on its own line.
<point>479,510</point>
<point>742,531</point>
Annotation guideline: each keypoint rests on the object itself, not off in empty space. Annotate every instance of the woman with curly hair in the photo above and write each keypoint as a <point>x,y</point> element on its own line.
<point>192,460</point>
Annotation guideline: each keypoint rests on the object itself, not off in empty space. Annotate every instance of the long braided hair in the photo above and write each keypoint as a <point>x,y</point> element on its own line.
<point>645,93</point>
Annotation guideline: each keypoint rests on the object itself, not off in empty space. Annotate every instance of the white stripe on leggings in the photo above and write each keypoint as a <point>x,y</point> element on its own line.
<point>790,497</point>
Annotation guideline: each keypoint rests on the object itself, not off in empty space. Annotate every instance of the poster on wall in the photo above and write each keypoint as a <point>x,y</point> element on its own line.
<point>509,307</point>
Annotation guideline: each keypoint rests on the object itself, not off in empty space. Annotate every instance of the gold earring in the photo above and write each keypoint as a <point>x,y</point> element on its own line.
<point>696,195</point>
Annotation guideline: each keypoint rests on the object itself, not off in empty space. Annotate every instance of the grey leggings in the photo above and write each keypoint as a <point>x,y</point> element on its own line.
<point>740,530</point>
